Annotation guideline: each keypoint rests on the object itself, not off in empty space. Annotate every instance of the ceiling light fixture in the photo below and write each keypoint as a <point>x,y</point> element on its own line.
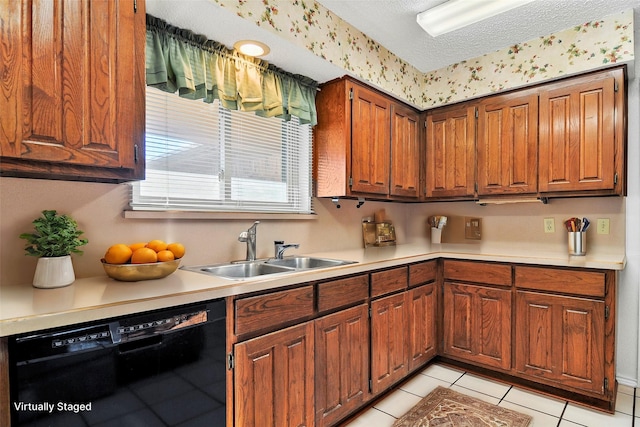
<point>251,48</point>
<point>455,14</point>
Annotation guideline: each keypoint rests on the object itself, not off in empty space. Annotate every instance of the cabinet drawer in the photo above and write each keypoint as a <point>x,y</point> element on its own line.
<point>385,282</point>
<point>578,282</point>
<point>265,311</point>
<point>342,292</point>
<point>424,272</point>
<point>480,272</point>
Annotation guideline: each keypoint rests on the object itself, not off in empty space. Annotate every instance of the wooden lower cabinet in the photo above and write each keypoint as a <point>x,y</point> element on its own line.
<point>341,363</point>
<point>389,340</point>
<point>274,379</point>
<point>544,328</point>
<point>477,324</point>
<point>561,339</point>
<point>423,338</point>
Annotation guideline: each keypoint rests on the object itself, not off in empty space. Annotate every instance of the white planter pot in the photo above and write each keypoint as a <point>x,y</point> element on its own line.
<point>54,272</point>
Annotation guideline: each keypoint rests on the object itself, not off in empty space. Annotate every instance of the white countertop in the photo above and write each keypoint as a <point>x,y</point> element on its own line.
<point>26,309</point>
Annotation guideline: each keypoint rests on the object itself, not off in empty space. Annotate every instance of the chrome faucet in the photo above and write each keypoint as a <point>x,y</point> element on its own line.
<point>280,247</point>
<point>249,236</point>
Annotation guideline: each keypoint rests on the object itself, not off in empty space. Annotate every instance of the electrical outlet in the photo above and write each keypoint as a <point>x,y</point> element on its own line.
<point>549,225</point>
<point>603,225</point>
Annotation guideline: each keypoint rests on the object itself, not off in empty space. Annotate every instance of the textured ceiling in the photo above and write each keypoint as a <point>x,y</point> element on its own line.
<point>392,23</point>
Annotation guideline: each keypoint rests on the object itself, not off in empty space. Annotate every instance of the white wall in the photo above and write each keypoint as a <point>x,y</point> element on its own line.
<point>629,293</point>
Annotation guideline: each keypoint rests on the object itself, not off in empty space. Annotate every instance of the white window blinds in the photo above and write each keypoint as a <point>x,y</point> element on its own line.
<point>204,157</point>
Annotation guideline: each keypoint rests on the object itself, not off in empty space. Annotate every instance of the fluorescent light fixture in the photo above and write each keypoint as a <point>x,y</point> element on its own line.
<point>511,200</point>
<point>251,48</point>
<point>455,14</point>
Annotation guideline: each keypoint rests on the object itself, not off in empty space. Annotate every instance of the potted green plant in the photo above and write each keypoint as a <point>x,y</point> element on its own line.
<point>55,238</point>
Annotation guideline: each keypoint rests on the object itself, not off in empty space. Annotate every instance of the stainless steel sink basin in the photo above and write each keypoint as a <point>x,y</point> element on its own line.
<point>247,269</point>
<point>240,270</point>
<point>305,262</point>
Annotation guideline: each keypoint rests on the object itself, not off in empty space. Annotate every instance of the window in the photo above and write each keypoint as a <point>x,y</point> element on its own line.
<point>204,157</point>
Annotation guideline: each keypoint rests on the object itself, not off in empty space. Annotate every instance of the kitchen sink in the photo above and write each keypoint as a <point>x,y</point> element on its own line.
<point>246,269</point>
<point>305,262</point>
<point>241,270</point>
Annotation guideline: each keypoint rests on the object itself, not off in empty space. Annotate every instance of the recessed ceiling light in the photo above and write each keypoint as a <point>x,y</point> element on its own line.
<point>455,14</point>
<point>251,48</point>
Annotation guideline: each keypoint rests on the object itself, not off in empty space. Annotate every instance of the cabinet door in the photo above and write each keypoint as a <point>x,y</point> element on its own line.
<point>508,144</point>
<point>450,154</point>
<point>273,384</point>
<point>405,153</point>
<point>342,363</point>
<point>578,135</point>
<point>73,99</point>
<point>422,336</point>
<point>389,340</point>
<point>561,339</point>
<point>370,142</point>
<point>477,324</point>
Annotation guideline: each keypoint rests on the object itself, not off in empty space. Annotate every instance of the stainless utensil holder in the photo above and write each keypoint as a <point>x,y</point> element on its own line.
<point>577,243</point>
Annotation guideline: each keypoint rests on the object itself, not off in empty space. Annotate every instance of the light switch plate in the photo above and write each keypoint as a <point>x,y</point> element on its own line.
<point>549,225</point>
<point>603,225</point>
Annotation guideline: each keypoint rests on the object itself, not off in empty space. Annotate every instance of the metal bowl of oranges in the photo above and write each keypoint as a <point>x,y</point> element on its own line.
<point>142,261</point>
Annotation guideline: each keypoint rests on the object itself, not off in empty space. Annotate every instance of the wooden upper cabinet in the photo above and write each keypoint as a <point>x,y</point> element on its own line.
<point>507,145</point>
<point>405,152</point>
<point>582,134</point>
<point>450,154</point>
<point>370,139</point>
<point>365,144</point>
<point>73,89</point>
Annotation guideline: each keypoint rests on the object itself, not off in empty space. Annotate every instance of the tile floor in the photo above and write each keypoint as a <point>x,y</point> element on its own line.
<point>545,411</point>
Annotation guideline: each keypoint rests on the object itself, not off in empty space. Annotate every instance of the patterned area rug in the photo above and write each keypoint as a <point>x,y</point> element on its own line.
<point>444,407</point>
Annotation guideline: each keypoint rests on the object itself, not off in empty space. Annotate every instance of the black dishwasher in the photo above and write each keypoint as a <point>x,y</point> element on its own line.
<point>159,368</point>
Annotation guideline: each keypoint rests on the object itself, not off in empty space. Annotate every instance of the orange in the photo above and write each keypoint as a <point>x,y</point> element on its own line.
<point>118,254</point>
<point>143,256</point>
<point>157,245</point>
<point>165,256</point>
<point>177,249</point>
<point>137,246</point>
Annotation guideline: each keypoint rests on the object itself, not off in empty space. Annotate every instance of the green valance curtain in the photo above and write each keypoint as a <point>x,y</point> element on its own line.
<point>198,68</point>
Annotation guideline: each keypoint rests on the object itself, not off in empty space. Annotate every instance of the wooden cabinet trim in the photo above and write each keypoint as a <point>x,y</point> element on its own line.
<point>578,282</point>
<point>263,312</point>
<point>342,292</point>
<point>388,281</point>
<point>478,272</point>
<point>423,272</point>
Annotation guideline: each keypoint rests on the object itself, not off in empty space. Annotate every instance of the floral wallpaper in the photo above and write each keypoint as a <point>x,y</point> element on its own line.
<point>308,24</point>
<point>593,45</point>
